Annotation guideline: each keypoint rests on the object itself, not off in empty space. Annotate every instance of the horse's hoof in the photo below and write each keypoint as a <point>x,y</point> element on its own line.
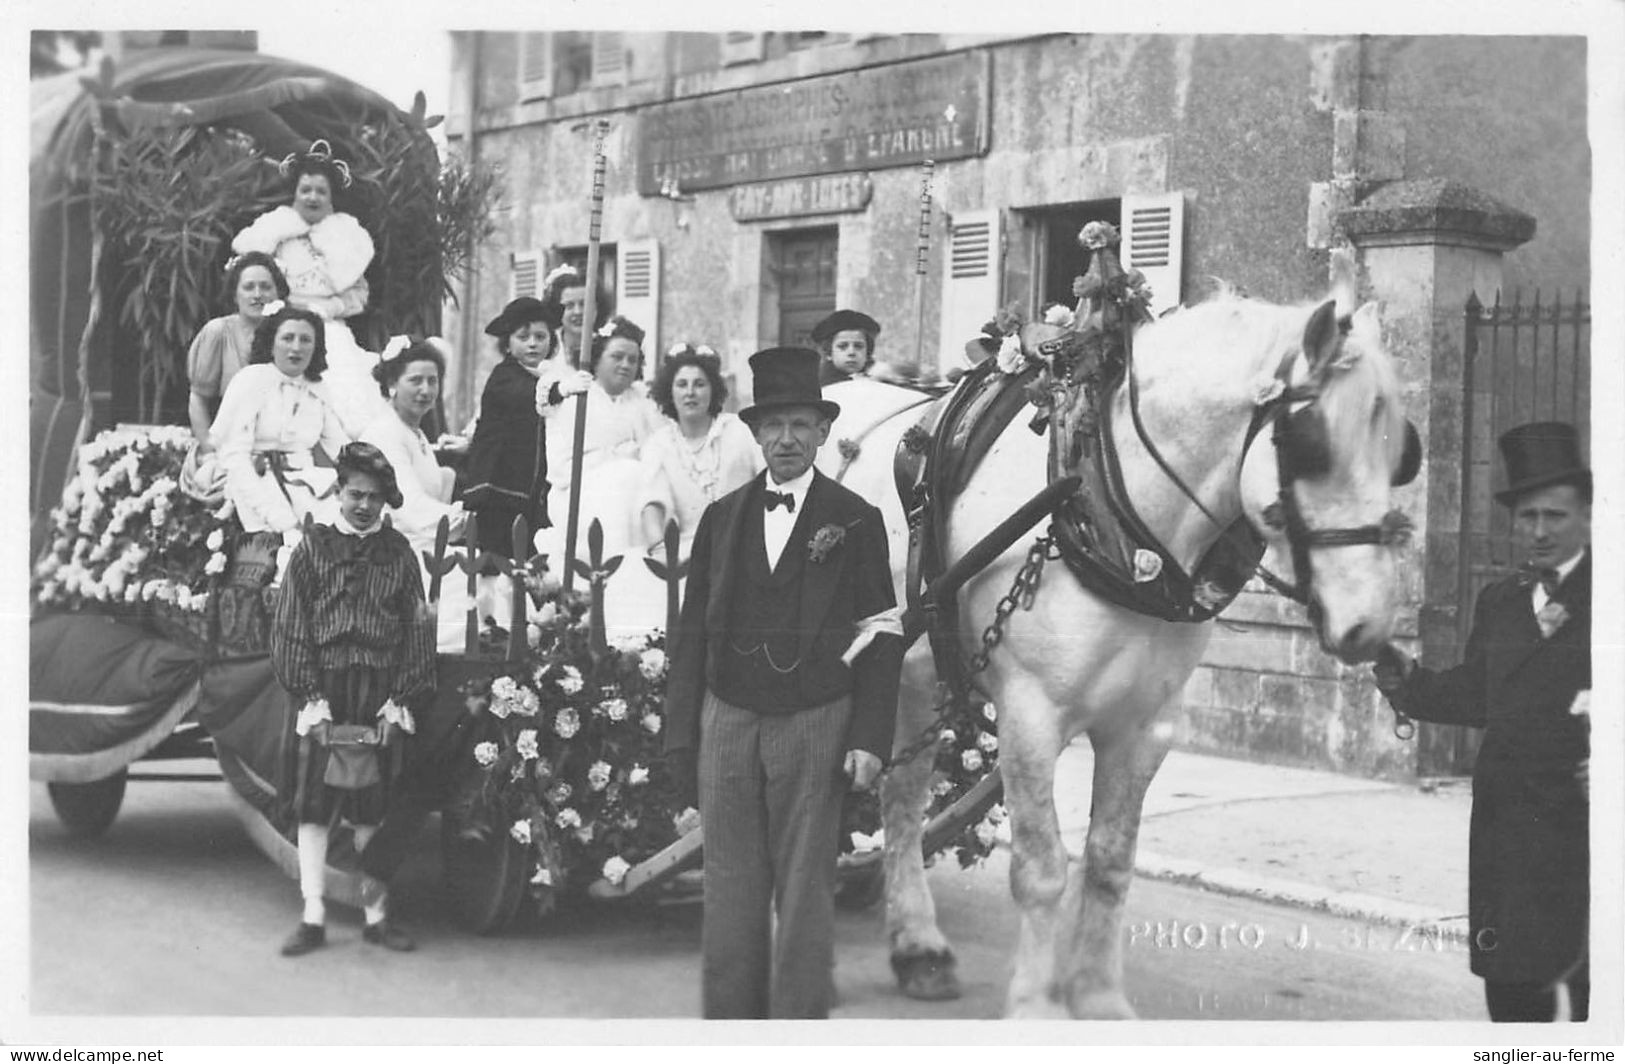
<point>927,976</point>
<point>1102,1005</point>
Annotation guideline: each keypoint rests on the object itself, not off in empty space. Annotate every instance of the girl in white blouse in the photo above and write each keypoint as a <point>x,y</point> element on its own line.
<point>276,412</point>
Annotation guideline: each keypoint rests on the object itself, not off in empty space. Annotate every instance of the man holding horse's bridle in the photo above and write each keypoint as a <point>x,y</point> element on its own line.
<point>783,688</point>
<point>1526,680</point>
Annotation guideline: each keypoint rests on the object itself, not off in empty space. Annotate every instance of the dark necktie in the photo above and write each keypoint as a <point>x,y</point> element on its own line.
<point>1544,575</point>
<point>773,499</point>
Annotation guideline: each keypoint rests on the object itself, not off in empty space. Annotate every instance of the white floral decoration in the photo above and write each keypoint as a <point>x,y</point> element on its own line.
<point>651,723</point>
<point>615,869</point>
<point>598,775</point>
<point>521,832</point>
<point>1011,359</point>
<point>567,723</point>
<point>485,754</point>
<point>526,744</point>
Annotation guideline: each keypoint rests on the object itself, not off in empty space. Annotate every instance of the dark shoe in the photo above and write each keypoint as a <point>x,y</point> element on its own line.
<point>387,935</point>
<point>308,937</point>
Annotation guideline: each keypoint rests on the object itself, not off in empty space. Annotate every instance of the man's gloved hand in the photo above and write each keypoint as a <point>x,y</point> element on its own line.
<point>1390,669</point>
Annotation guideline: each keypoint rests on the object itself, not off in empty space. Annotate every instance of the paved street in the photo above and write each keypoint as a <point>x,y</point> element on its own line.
<point>174,912</point>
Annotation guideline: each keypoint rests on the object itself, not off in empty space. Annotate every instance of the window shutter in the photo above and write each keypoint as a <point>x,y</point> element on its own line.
<point>535,66</point>
<point>637,291</point>
<point>970,281</point>
<point>743,48</point>
<point>609,59</point>
<point>1154,244</point>
<point>526,276</point>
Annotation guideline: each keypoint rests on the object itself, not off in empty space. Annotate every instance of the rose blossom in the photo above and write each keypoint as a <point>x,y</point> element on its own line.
<point>486,754</point>
<point>971,759</point>
<point>615,869</point>
<point>598,775</point>
<point>638,776</point>
<point>568,818</point>
<point>520,831</point>
<point>613,708</point>
<point>652,663</point>
<point>567,723</point>
<point>988,742</point>
<point>651,723</point>
<point>570,683</point>
<point>526,744</point>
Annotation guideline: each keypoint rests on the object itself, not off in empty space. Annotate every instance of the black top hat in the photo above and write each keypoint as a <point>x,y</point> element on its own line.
<point>365,458</point>
<point>1540,455</point>
<point>845,319</point>
<point>786,376</point>
<point>524,311</point>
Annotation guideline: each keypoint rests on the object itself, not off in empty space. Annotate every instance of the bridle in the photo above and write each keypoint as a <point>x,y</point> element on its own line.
<point>1300,451</point>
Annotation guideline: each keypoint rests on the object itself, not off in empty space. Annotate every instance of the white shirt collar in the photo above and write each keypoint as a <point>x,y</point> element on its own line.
<point>797,487</point>
<point>344,526</point>
<point>1569,566</point>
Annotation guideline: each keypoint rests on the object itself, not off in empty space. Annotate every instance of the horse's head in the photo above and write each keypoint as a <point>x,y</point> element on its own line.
<point>1341,444</point>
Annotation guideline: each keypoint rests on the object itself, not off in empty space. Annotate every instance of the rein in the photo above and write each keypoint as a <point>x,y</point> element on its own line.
<point>1394,528</point>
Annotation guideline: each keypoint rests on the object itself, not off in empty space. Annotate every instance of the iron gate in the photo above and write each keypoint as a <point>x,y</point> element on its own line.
<point>1521,362</point>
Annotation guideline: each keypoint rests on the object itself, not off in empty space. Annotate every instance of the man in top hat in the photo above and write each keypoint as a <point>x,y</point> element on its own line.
<point>1526,680</point>
<point>846,339</point>
<point>775,703</point>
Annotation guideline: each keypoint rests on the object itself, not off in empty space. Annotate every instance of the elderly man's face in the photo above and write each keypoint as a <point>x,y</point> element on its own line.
<point>790,437</point>
<point>1551,525</point>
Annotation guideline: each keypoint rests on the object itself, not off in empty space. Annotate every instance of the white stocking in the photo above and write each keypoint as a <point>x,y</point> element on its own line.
<point>313,870</point>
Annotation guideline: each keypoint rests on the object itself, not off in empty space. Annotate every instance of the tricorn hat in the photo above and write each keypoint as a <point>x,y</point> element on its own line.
<point>842,320</point>
<point>524,311</point>
<point>367,459</point>
<point>1540,455</point>
<point>786,376</point>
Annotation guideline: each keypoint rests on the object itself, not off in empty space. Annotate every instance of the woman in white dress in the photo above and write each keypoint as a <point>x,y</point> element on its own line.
<point>620,416</point>
<point>324,253</point>
<point>699,454</point>
<point>410,381</point>
<point>276,412</point>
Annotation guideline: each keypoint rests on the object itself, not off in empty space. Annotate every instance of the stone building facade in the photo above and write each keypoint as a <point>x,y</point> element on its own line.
<point>756,181</point>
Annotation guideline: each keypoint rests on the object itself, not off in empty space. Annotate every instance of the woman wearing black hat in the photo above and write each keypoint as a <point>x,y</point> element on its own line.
<point>353,646</point>
<point>846,339</point>
<point>507,459</point>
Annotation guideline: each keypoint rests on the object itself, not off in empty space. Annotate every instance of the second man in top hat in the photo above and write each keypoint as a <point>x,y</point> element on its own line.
<point>1526,680</point>
<point>785,573</point>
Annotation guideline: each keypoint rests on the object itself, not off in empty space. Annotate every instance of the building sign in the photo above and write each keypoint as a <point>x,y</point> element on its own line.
<point>897,115</point>
<point>800,195</point>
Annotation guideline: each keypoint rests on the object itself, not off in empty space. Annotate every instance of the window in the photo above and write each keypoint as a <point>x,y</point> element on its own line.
<point>970,281</point>
<point>743,48</point>
<point>535,66</point>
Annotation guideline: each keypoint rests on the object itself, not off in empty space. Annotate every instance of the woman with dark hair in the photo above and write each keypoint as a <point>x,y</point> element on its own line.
<point>410,380</point>
<point>276,412</point>
<point>222,346</point>
<point>325,254</point>
<point>620,417</point>
<point>699,454</point>
<point>566,287</point>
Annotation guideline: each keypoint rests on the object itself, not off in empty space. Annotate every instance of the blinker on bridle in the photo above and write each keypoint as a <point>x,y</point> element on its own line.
<point>1301,451</point>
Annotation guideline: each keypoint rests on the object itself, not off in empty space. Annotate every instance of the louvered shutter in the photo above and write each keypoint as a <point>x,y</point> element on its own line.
<point>526,276</point>
<point>743,48</point>
<point>637,290</point>
<point>970,281</point>
<point>1154,244</point>
<point>609,59</point>
<point>535,66</point>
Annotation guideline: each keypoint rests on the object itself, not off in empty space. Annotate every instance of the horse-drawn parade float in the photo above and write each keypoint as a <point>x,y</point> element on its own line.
<point>1065,520</point>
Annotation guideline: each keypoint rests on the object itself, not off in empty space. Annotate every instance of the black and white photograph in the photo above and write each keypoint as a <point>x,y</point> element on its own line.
<point>556,524</point>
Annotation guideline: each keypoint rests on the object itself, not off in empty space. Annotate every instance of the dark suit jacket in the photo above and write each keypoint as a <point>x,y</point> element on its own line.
<point>503,471</point>
<point>852,583</point>
<point>1529,868</point>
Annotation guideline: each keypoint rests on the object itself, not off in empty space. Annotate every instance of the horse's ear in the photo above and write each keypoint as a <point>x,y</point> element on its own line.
<point>1321,337</point>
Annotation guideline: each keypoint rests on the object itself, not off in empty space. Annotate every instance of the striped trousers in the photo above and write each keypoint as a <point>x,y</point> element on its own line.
<point>770,798</point>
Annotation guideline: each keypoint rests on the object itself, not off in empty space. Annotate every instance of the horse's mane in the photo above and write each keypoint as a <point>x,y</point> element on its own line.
<point>1363,378</point>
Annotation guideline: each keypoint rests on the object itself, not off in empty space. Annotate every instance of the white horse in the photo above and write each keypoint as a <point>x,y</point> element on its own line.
<point>1075,664</point>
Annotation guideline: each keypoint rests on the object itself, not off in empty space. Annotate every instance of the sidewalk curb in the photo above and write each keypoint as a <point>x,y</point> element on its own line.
<point>1237,883</point>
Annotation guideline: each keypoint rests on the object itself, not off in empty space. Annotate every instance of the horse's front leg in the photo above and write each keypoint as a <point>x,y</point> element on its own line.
<point>1124,767</point>
<point>1029,744</point>
<point>921,958</point>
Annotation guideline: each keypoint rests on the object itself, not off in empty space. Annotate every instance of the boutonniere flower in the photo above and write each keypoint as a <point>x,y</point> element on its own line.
<point>823,541</point>
<point>1551,617</point>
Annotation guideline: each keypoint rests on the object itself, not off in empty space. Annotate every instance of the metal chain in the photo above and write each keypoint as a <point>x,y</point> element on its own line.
<point>1021,594</point>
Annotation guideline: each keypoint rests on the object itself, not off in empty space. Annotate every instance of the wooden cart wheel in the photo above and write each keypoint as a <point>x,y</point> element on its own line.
<point>484,878</point>
<point>861,886</point>
<point>88,809</point>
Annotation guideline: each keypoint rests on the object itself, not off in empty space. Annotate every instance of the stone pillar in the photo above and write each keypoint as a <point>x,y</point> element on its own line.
<point>1424,246</point>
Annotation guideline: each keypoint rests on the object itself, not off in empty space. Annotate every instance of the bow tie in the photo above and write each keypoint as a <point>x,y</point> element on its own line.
<point>1529,575</point>
<point>773,499</point>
